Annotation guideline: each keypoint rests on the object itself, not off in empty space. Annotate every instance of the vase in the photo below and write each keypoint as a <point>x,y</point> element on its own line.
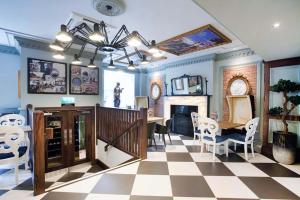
<point>284,147</point>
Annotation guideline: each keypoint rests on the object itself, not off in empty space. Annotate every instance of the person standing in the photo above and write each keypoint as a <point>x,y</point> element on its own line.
<point>117,95</point>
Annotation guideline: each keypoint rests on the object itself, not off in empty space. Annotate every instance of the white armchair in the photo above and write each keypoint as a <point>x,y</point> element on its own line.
<point>195,116</point>
<point>18,120</point>
<point>247,139</point>
<point>10,149</point>
<point>209,128</point>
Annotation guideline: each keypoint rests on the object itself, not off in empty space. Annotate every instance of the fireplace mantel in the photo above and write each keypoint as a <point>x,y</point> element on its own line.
<point>203,103</point>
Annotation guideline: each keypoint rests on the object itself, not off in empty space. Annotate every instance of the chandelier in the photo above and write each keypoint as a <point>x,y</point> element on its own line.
<point>99,40</point>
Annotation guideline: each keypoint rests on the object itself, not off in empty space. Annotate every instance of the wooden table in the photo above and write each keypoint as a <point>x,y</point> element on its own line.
<point>158,120</point>
<point>228,125</point>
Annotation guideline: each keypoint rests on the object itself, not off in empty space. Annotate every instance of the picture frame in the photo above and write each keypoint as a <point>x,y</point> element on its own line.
<point>46,77</point>
<point>198,39</point>
<point>179,84</point>
<point>83,80</point>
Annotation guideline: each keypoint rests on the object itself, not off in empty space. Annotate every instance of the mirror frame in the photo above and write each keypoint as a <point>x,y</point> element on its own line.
<point>188,77</point>
<point>159,88</point>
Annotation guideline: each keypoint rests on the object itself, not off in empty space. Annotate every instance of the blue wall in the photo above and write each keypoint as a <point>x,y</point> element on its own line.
<point>10,64</point>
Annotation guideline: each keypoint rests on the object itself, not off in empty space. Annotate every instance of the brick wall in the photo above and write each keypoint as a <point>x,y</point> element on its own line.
<point>248,71</point>
<point>158,105</point>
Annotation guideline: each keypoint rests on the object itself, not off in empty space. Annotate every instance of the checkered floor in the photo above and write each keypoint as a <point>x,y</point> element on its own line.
<point>180,172</point>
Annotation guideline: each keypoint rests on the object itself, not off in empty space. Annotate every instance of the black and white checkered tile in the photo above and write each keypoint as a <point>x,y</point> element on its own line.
<point>181,172</point>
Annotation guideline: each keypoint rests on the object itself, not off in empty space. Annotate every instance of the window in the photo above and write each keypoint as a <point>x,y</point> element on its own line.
<point>126,80</point>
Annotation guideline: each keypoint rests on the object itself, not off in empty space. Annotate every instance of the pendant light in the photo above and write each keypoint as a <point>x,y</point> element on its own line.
<point>63,35</point>
<point>131,65</point>
<point>144,60</point>
<point>134,40</point>
<point>92,65</point>
<point>153,49</point>
<point>96,36</point>
<point>76,60</point>
<point>59,56</point>
<point>56,46</point>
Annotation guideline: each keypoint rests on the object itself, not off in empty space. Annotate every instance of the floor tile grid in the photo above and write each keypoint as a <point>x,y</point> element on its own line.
<point>164,176</point>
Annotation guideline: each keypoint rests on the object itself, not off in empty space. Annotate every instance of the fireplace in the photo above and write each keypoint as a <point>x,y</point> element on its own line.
<point>182,123</point>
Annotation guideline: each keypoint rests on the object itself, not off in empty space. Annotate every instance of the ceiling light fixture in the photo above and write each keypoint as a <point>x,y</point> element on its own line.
<point>91,65</point>
<point>276,25</point>
<point>153,49</point>
<point>56,46</point>
<point>98,38</point>
<point>144,60</point>
<point>63,35</point>
<point>76,60</point>
<point>59,56</point>
<point>134,40</point>
<point>131,65</point>
<point>111,63</point>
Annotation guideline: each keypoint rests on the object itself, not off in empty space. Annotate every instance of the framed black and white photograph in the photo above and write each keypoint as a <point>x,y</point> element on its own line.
<point>179,84</point>
<point>84,80</point>
<point>46,77</point>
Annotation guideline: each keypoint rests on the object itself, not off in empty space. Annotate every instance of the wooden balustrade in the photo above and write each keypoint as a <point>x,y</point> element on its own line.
<point>123,129</point>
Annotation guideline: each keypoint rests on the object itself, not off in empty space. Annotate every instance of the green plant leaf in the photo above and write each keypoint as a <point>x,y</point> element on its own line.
<point>284,85</point>
<point>294,100</point>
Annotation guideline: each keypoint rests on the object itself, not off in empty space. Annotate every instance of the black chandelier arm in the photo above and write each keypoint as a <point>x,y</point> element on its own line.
<point>103,31</point>
<point>143,40</point>
<point>122,30</point>
<point>81,50</point>
<point>95,54</point>
<point>126,54</point>
<point>80,27</point>
<point>85,40</point>
<point>138,53</point>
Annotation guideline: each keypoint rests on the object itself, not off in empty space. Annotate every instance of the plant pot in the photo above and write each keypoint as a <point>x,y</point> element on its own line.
<point>284,147</point>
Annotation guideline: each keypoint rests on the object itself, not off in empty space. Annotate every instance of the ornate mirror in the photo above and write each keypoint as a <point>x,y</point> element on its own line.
<point>238,85</point>
<point>155,91</point>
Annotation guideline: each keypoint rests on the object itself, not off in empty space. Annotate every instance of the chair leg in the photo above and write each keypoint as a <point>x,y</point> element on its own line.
<point>170,138</point>
<point>246,150</point>
<point>226,148</point>
<point>234,146</point>
<point>214,151</point>
<point>252,149</point>
<point>164,139</point>
<point>17,173</point>
<point>202,147</point>
<point>154,142</point>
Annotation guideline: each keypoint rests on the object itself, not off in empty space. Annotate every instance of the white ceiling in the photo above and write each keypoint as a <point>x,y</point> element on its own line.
<point>154,19</point>
<point>252,22</point>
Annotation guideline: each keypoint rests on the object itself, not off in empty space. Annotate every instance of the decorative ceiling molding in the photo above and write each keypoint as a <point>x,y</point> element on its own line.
<point>44,46</point>
<point>235,54</point>
<point>180,63</point>
<point>9,50</point>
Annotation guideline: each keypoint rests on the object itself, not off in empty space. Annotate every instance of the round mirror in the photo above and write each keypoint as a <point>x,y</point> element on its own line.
<point>239,85</point>
<point>155,91</point>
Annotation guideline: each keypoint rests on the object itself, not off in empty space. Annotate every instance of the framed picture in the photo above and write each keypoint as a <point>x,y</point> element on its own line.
<point>46,77</point>
<point>84,80</point>
<point>179,84</point>
<point>201,38</point>
<point>193,81</point>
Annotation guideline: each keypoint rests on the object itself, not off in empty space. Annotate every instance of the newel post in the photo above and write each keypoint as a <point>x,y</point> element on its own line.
<point>38,153</point>
<point>143,133</point>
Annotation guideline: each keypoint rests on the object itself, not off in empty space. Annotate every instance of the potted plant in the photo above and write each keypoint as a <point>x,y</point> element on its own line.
<point>285,142</point>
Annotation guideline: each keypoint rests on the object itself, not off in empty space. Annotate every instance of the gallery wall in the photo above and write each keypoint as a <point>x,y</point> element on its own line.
<point>10,64</point>
<point>41,100</point>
